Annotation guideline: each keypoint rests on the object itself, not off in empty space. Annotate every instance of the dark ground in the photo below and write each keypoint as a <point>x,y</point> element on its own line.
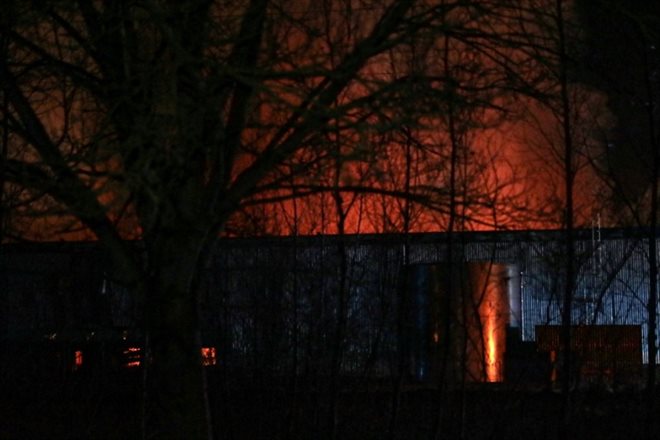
<point>107,407</point>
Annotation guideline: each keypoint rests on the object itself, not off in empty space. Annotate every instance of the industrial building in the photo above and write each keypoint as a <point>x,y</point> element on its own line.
<point>480,306</point>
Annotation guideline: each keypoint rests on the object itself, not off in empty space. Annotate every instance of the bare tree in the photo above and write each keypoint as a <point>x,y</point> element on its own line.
<point>631,165</point>
<point>161,119</point>
<point>561,125</point>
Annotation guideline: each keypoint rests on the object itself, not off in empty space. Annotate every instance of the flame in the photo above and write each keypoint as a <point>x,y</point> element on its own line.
<point>493,373</point>
<point>492,311</point>
<point>133,357</point>
<point>77,359</point>
<point>209,356</point>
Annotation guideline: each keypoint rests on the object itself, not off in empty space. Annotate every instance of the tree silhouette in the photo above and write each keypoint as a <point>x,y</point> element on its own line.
<point>159,120</point>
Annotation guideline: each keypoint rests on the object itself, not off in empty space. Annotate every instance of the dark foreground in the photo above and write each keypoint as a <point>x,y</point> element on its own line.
<point>108,407</point>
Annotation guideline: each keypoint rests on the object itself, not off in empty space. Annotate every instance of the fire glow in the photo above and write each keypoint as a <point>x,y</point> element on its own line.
<point>493,308</point>
<point>493,370</point>
<point>77,360</point>
<point>209,356</point>
<point>133,357</point>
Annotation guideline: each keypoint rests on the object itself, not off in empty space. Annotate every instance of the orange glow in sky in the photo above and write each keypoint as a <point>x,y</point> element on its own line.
<point>509,171</point>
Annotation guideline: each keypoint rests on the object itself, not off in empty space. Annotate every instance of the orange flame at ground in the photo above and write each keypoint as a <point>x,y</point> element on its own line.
<point>492,313</point>
<point>493,370</point>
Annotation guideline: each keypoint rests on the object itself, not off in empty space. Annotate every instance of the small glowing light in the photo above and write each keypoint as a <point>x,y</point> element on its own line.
<point>553,361</point>
<point>77,359</point>
<point>133,356</point>
<point>436,337</point>
<point>209,356</point>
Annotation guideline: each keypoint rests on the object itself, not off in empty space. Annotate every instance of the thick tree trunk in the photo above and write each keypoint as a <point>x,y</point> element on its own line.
<point>565,113</point>
<point>176,403</point>
<point>4,147</point>
<point>652,304</point>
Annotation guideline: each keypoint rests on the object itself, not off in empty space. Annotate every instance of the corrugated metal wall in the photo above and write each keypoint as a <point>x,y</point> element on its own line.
<point>275,301</point>
<point>611,287</point>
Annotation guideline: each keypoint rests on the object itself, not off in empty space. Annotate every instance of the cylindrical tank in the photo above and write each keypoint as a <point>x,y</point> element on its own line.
<point>421,282</point>
<point>459,315</point>
<point>513,293</point>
